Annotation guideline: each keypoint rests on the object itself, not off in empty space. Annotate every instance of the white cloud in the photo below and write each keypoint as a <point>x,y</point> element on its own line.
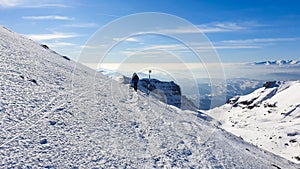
<point>165,47</point>
<point>89,47</point>
<point>261,40</point>
<point>82,25</point>
<point>60,44</point>
<point>221,27</point>
<point>98,47</point>
<point>110,15</point>
<point>207,28</point>
<point>183,48</point>
<point>48,17</point>
<point>130,39</point>
<point>237,47</point>
<point>41,37</point>
<point>45,6</point>
<point>149,54</point>
<point>29,4</point>
<point>9,3</point>
<point>214,27</point>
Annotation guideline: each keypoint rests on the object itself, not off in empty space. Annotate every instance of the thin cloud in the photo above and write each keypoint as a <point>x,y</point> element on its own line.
<point>48,17</point>
<point>150,54</point>
<point>61,44</point>
<point>237,47</point>
<point>93,46</point>
<point>131,39</point>
<point>46,6</point>
<point>110,15</point>
<point>183,48</point>
<point>9,3</point>
<point>81,25</point>
<point>190,30</point>
<point>206,28</point>
<point>165,47</point>
<point>29,4</point>
<point>43,37</point>
<point>221,27</point>
<point>261,40</point>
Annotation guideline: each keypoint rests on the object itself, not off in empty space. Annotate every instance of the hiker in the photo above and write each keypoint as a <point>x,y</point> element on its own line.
<point>135,80</point>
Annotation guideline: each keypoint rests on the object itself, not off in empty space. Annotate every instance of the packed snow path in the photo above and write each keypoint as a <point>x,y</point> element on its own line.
<point>56,114</point>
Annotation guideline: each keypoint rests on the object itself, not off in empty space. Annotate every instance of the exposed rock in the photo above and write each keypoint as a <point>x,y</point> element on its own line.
<point>52,123</point>
<point>270,105</point>
<point>293,134</point>
<point>270,84</point>
<point>33,81</point>
<point>66,57</point>
<point>44,46</point>
<point>43,141</point>
<point>168,92</point>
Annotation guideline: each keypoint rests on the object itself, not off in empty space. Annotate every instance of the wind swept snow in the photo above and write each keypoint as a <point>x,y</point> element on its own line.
<point>59,114</point>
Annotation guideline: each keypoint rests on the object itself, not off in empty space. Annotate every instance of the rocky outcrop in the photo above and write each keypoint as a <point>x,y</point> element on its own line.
<point>270,84</point>
<point>168,92</point>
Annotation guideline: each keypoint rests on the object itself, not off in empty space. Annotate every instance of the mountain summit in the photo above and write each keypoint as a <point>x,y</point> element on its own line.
<point>59,114</point>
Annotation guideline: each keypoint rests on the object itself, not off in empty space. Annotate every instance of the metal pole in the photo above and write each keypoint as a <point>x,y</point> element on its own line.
<point>149,82</point>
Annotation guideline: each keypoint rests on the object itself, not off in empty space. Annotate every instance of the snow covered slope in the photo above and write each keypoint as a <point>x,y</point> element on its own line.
<point>56,114</point>
<point>269,118</point>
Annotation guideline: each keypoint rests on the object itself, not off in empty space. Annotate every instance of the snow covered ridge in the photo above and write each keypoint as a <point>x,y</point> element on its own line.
<point>269,118</point>
<point>234,87</point>
<point>277,62</point>
<point>263,97</point>
<point>167,92</point>
<point>55,113</point>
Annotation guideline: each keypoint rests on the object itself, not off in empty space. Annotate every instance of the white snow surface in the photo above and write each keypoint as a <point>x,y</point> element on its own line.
<point>58,114</point>
<point>269,118</point>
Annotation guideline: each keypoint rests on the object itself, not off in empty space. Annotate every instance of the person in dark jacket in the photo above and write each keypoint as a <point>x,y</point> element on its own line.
<point>135,80</point>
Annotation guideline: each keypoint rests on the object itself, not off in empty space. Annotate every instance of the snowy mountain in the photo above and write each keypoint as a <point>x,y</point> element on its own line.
<point>278,62</point>
<point>233,87</point>
<point>56,113</point>
<point>269,118</point>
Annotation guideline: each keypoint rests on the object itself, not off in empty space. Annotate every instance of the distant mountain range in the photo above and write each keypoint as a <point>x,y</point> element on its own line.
<point>277,62</point>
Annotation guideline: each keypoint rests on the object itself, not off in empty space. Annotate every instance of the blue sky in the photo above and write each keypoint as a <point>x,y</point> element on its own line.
<point>241,31</point>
